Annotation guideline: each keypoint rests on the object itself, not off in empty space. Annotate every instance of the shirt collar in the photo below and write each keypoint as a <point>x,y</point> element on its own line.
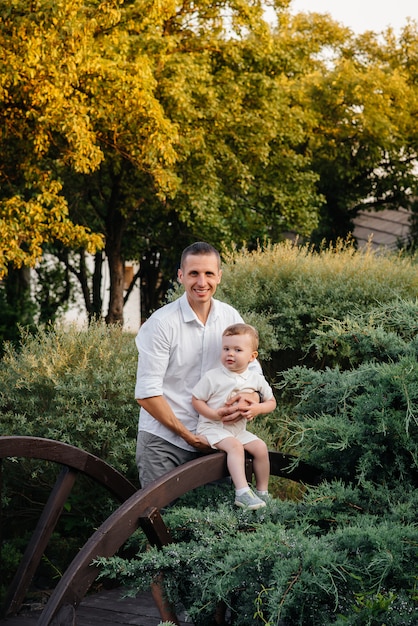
<point>190,316</point>
<point>243,375</point>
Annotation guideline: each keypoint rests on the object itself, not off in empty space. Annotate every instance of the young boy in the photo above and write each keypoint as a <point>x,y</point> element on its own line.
<point>239,348</point>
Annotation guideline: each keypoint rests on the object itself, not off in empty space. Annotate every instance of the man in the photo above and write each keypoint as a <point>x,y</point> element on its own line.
<point>177,345</point>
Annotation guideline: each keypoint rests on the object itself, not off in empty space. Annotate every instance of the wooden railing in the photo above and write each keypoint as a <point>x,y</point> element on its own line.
<point>139,509</point>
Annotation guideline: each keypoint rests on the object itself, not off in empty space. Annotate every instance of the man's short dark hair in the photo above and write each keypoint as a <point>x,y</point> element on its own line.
<point>199,247</point>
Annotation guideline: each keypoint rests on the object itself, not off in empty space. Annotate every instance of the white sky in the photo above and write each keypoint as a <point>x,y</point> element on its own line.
<point>361,15</point>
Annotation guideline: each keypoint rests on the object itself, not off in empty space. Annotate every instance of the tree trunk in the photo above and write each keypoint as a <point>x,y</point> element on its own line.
<point>153,286</point>
<point>97,300</point>
<point>116,272</point>
<point>115,227</point>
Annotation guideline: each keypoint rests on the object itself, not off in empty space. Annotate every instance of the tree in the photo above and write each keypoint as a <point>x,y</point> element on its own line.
<point>273,127</point>
<point>148,113</point>
<point>235,132</point>
<point>36,78</point>
<point>58,83</point>
<point>364,147</point>
<point>154,124</point>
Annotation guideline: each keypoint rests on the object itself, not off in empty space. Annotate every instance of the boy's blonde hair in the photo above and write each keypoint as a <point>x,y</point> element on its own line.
<point>243,329</point>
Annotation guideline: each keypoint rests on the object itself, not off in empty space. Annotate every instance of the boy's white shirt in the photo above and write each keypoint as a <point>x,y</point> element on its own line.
<point>220,384</point>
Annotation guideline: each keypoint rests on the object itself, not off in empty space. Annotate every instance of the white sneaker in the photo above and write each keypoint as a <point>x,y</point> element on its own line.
<point>266,497</point>
<point>248,500</point>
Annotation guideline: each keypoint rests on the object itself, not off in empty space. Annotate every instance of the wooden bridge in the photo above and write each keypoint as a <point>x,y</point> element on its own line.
<point>138,509</point>
<point>103,608</point>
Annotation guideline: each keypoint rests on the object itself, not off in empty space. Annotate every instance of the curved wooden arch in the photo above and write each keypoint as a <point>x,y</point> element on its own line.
<point>142,509</point>
<point>65,454</point>
<point>73,461</point>
<point>70,456</point>
<point>139,509</point>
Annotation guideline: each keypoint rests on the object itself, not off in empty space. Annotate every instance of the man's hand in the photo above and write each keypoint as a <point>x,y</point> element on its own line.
<point>238,407</point>
<point>200,443</point>
<point>158,407</point>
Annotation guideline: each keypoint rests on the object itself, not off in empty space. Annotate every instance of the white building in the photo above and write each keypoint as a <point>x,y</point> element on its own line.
<point>132,309</point>
<point>387,228</point>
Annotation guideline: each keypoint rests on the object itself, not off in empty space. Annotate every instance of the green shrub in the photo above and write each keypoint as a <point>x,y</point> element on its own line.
<point>293,288</point>
<point>313,563</point>
<point>77,387</point>
<point>383,333</point>
<point>358,424</point>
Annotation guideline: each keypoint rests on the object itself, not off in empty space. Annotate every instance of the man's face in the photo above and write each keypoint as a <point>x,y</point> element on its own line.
<point>200,276</point>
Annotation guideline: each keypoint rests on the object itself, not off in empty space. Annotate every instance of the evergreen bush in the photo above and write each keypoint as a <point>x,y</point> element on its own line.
<point>363,419</point>
<point>322,561</point>
<point>383,333</point>
<point>347,551</point>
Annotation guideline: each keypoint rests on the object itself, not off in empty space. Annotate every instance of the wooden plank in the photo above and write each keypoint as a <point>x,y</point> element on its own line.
<point>113,606</point>
<point>153,526</point>
<point>107,608</point>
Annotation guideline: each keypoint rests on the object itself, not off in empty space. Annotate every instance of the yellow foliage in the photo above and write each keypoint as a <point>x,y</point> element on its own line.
<point>26,225</point>
<point>71,87</point>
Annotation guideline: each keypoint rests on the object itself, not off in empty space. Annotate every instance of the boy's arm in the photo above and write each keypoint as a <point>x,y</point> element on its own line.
<point>203,409</point>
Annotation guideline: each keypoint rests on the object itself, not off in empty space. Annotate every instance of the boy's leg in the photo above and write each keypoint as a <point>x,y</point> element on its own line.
<point>235,460</point>
<point>244,495</point>
<point>261,463</point>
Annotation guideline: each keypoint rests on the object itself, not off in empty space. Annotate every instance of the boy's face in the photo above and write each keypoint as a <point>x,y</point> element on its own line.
<point>237,352</point>
<point>200,276</point>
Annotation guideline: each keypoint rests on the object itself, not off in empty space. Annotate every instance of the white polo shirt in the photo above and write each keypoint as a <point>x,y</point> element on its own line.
<point>220,384</point>
<point>174,351</point>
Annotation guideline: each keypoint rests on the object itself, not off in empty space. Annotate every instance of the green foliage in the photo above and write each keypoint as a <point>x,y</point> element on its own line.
<point>383,333</point>
<point>294,289</point>
<point>363,421</point>
<point>280,563</point>
<point>360,146</point>
<point>75,386</point>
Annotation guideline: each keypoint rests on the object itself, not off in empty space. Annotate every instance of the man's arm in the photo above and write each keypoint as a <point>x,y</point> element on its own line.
<point>158,407</point>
